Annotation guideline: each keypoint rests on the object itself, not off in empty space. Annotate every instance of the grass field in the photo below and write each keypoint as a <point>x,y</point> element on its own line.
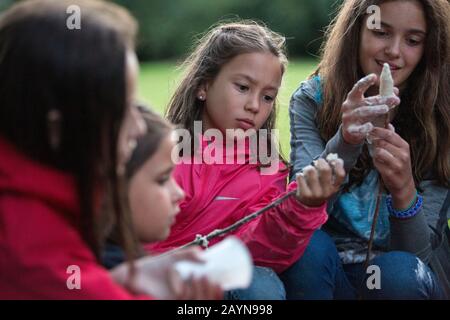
<point>158,80</point>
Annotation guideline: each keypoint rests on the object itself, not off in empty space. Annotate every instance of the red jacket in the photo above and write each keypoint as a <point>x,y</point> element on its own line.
<point>37,242</point>
<point>218,195</point>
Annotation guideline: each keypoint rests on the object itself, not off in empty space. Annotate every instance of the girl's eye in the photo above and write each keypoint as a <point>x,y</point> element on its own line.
<point>161,181</point>
<point>380,33</point>
<point>242,87</point>
<point>413,42</point>
<point>269,98</point>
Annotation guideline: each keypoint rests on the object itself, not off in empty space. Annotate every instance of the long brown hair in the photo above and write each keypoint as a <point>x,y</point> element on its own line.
<point>423,118</point>
<point>46,66</point>
<point>213,50</point>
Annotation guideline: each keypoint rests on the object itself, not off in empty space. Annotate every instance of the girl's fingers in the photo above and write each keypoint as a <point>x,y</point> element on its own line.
<point>385,157</point>
<point>207,289</point>
<point>201,288</point>
<point>339,172</point>
<point>398,153</point>
<point>379,100</point>
<point>358,90</point>
<point>391,127</point>
<point>384,169</point>
<point>312,179</point>
<point>218,292</point>
<point>362,129</point>
<point>325,176</point>
<point>390,136</point>
<point>214,291</point>
<point>396,91</point>
<point>191,254</point>
<point>176,284</point>
<point>302,186</point>
<point>367,113</point>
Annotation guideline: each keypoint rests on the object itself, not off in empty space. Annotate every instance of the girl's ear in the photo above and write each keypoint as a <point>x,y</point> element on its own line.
<point>201,92</point>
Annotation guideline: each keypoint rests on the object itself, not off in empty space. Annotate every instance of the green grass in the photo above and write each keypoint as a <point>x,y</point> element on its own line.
<point>157,80</point>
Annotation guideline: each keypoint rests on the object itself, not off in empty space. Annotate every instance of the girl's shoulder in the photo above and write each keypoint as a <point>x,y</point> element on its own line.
<point>310,88</point>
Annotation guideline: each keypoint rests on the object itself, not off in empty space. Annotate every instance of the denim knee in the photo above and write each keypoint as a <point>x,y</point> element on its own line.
<point>265,285</point>
<point>320,253</point>
<point>403,276</point>
<point>318,274</point>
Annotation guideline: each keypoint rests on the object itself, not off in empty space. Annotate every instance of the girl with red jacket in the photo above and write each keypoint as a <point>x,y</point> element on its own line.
<point>67,124</point>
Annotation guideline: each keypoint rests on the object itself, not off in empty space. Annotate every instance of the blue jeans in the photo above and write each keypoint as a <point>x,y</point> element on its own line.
<point>319,274</point>
<point>265,285</point>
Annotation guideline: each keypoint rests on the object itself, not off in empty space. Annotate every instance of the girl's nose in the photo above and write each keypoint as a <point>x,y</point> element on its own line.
<point>138,127</point>
<point>393,48</point>
<point>252,104</point>
<point>177,193</point>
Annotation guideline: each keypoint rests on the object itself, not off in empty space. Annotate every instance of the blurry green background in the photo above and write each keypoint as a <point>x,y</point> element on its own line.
<point>167,29</point>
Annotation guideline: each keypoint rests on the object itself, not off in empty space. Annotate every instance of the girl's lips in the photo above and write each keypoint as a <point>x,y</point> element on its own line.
<point>393,67</point>
<point>245,124</point>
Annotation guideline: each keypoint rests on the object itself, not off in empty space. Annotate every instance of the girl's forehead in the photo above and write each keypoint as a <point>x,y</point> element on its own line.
<point>255,67</point>
<point>408,14</point>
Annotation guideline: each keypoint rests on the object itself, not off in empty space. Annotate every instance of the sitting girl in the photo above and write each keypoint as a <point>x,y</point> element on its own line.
<point>406,176</point>
<point>67,123</point>
<point>229,90</point>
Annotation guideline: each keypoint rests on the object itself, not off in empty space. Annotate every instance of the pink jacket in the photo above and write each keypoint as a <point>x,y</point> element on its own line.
<point>218,195</point>
<point>38,242</point>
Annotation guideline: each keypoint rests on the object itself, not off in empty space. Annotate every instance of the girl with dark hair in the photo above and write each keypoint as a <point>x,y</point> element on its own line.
<point>404,180</point>
<point>67,128</point>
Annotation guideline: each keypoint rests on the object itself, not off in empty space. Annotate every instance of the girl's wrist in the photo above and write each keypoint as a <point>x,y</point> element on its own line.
<point>403,199</point>
<point>348,138</point>
<point>308,204</point>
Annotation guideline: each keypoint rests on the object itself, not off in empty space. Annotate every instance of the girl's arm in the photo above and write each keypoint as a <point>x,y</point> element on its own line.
<point>44,257</point>
<point>156,277</point>
<point>357,114</point>
<point>306,143</point>
<point>423,232</point>
<point>279,237</point>
<point>392,159</point>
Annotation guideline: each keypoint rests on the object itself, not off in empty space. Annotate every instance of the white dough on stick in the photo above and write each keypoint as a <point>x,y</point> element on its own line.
<point>386,82</point>
<point>386,90</point>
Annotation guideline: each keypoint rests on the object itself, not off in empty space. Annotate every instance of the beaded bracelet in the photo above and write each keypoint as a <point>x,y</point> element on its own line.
<point>411,212</point>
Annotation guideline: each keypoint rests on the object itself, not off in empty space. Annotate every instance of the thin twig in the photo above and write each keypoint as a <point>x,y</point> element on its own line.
<point>374,223</point>
<point>220,232</point>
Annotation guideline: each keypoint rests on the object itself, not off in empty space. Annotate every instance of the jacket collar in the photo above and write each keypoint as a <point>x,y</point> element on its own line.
<point>228,151</point>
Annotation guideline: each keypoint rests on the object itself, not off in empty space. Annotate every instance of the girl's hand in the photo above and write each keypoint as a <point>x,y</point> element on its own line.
<point>195,288</point>
<point>316,184</point>
<point>155,277</point>
<point>358,111</point>
<point>392,159</point>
